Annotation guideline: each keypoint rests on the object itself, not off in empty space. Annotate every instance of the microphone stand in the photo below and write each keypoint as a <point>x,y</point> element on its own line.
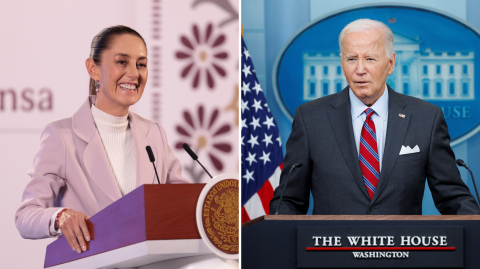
<point>285,186</point>
<point>473,180</point>
<point>460,162</point>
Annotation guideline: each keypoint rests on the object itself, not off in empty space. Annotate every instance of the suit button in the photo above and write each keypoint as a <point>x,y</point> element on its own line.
<point>371,208</point>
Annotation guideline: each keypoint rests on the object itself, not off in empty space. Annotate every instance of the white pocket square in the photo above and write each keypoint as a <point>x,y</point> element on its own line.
<point>408,150</point>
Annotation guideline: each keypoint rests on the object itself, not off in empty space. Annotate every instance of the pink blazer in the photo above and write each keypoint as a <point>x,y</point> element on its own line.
<point>71,169</point>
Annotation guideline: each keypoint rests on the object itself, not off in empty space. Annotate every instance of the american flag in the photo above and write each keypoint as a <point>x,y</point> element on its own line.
<point>261,146</point>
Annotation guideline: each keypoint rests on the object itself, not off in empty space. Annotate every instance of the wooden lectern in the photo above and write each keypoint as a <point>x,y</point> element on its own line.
<point>271,241</point>
<point>151,224</point>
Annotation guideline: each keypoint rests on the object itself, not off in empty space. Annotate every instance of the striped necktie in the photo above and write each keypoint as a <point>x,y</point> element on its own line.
<point>368,156</point>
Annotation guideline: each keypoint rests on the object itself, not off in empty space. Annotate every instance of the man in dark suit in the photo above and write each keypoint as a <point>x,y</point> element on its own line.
<point>367,150</point>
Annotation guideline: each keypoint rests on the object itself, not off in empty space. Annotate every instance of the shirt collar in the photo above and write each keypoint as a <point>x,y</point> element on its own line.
<point>380,106</point>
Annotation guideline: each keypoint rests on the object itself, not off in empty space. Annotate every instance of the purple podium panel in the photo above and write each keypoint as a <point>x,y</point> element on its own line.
<point>150,212</point>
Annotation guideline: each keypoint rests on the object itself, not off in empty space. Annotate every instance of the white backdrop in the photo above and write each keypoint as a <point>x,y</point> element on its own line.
<point>43,48</point>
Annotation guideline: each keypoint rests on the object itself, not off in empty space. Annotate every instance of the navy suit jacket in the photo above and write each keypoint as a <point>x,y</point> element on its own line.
<point>322,139</point>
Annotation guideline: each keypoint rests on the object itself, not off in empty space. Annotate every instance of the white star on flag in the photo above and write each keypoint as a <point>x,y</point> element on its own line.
<point>253,141</point>
<point>257,87</point>
<point>255,123</point>
<point>265,158</point>
<point>244,106</point>
<point>245,88</point>
<point>257,105</point>
<point>269,122</point>
<point>244,122</point>
<point>251,158</point>
<point>246,70</point>
<point>266,105</point>
<point>279,141</point>
<point>249,176</point>
<point>246,53</point>
<point>268,139</point>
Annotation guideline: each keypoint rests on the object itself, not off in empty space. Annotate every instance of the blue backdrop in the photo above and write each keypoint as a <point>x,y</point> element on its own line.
<point>291,29</point>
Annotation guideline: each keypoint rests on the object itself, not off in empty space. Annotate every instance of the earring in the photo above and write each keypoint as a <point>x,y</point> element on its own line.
<point>96,85</point>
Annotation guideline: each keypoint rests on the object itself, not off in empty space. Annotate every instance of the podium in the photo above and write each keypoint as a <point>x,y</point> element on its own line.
<point>272,241</point>
<point>153,223</point>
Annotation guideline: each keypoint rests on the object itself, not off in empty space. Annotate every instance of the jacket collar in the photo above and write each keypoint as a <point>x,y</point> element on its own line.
<point>396,130</point>
<point>341,123</point>
<point>82,121</point>
<point>94,158</point>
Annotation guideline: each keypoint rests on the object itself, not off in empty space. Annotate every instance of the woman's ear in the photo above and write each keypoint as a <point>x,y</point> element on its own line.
<point>92,69</point>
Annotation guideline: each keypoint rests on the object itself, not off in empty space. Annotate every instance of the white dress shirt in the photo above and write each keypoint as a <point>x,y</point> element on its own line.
<point>380,119</point>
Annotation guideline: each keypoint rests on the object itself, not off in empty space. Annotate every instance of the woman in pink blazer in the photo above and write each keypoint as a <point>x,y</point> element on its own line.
<point>88,161</point>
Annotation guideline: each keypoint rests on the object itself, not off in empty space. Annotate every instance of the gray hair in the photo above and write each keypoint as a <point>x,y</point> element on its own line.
<point>361,25</point>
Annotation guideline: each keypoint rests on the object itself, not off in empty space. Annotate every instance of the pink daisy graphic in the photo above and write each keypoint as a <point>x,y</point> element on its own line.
<point>204,133</point>
<point>204,54</point>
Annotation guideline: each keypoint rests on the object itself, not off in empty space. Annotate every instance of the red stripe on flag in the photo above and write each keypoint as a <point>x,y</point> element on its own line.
<point>381,248</point>
<point>266,194</point>
<point>245,216</point>
<point>281,166</point>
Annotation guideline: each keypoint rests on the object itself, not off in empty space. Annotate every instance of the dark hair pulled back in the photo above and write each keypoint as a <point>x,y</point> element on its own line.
<point>103,41</point>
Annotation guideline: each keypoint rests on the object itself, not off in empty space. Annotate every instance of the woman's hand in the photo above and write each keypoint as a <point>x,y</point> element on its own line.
<point>74,228</point>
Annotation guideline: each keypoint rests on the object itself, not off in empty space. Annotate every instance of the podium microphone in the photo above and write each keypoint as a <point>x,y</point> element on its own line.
<point>194,157</point>
<point>152,159</point>
<point>460,162</point>
<point>297,164</point>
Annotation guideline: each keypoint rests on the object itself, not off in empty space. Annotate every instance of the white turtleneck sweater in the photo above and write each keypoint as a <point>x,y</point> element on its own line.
<point>117,139</point>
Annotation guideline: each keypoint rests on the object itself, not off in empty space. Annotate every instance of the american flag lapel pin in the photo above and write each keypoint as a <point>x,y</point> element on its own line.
<point>401,115</point>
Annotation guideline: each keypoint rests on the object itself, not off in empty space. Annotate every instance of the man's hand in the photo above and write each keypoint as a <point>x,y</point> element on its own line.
<point>74,228</point>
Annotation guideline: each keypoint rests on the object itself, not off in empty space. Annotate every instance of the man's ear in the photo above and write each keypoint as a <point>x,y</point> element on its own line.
<point>391,64</point>
<point>92,69</point>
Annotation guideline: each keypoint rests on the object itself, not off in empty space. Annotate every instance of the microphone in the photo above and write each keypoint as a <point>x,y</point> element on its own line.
<point>297,164</point>
<point>190,151</point>
<point>460,162</point>
<point>194,157</point>
<point>152,159</point>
